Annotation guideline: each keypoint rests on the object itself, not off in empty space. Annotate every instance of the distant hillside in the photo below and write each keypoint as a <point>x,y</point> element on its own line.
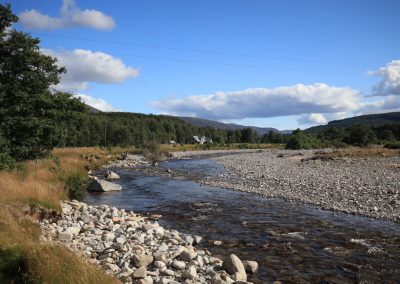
<point>367,120</point>
<point>201,122</point>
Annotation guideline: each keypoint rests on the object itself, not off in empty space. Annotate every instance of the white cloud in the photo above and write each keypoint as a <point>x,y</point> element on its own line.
<point>312,118</point>
<point>71,16</point>
<point>85,66</point>
<point>99,104</point>
<point>390,83</point>
<point>261,102</point>
<point>388,104</point>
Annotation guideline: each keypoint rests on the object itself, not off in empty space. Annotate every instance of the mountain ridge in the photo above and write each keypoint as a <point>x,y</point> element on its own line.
<point>366,120</point>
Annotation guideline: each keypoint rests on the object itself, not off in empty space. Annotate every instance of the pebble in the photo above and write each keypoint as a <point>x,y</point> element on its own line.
<point>134,248</point>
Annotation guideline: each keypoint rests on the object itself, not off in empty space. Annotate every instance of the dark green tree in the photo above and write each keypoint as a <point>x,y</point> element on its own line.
<point>360,135</point>
<point>32,119</point>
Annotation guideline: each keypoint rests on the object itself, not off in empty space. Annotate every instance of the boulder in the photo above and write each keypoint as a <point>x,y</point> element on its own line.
<point>142,260</point>
<point>187,255</point>
<point>111,175</point>
<point>233,265</point>
<point>250,266</point>
<point>178,264</point>
<point>65,236</point>
<point>190,273</point>
<point>140,273</point>
<point>99,185</point>
<point>73,230</point>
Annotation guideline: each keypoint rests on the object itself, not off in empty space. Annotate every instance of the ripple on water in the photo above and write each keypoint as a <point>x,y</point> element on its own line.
<point>293,243</point>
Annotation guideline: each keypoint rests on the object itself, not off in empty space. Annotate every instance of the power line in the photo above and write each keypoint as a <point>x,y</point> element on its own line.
<point>199,50</point>
<point>230,64</point>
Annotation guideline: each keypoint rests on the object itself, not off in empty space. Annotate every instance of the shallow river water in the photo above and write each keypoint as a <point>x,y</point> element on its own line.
<point>292,242</point>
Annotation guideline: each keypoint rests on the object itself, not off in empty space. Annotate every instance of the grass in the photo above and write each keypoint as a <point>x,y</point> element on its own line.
<point>35,186</point>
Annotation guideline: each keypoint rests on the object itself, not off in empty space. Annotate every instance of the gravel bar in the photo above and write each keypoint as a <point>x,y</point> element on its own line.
<point>363,186</point>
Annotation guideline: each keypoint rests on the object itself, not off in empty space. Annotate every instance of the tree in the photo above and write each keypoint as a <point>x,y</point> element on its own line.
<point>32,118</point>
<point>360,135</point>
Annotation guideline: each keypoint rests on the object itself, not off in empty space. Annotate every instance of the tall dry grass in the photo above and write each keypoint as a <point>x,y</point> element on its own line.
<point>35,185</point>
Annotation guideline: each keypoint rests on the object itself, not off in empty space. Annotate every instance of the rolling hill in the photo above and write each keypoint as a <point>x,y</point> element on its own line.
<point>201,122</point>
<point>367,120</point>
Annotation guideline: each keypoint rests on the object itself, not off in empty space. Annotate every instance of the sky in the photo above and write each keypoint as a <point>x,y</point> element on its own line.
<point>283,64</point>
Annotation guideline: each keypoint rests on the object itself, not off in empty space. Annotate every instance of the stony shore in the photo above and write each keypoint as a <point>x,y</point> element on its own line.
<point>364,186</point>
<point>137,249</point>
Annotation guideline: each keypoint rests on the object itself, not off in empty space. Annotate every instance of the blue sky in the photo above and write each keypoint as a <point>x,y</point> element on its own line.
<point>284,64</point>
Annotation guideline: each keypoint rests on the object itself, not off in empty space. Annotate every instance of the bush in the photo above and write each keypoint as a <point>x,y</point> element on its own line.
<point>360,135</point>
<point>300,140</point>
<point>392,145</point>
<point>152,152</point>
<point>75,186</point>
<point>13,265</point>
<point>7,163</point>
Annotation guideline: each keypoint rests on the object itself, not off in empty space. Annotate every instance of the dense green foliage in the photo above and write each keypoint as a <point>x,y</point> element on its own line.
<point>123,129</point>
<point>274,138</point>
<point>75,186</point>
<point>33,119</point>
<point>301,140</point>
<point>357,135</point>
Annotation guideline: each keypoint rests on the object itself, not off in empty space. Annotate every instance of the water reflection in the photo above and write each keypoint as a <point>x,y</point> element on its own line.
<point>293,243</point>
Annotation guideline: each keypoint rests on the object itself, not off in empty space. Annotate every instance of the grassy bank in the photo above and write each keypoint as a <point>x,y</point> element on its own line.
<point>35,189</point>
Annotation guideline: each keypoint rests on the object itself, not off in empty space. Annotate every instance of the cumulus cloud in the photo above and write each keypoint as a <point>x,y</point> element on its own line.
<point>312,118</point>
<point>85,66</point>
<point>99,104</point>
<point>388,104</point>
<point>298,99</point>
<point>390,82</point>
<point>71,16</point>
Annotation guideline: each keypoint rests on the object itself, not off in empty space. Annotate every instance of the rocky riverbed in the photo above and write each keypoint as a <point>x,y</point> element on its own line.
<point>365,186</point>
<point>137,249</point>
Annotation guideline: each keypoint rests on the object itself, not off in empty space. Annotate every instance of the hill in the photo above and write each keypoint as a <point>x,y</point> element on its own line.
<point>201,122</point>
<point>366,120</point>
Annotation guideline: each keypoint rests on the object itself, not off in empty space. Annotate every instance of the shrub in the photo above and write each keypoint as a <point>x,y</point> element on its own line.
<point>7,163</point>
<point>392,145</point>
<point>75,186</point>
<point>300,140</point>
<point>152,152</point>
<point>360,135</point>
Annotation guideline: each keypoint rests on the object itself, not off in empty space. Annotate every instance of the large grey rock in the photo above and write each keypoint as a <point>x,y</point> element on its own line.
<point>111,175</point>
<point>250,266</point>
<point>142,260</point>
<point>187,255</point>
<point>73,230</point>
<point>190,273</point>
<point>140,273</point>
<point>178,264</point>
<point>107,237</point>
<point>99,185</point>
<point>233,265</point>
<point>65,236</point>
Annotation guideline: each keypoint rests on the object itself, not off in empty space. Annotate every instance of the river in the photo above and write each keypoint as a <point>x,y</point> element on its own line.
<point>292,242</point>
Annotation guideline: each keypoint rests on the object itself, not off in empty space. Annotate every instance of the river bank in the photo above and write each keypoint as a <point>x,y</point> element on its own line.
<point>292,242</point>
<point>368,186</point>
<point>137,249</point>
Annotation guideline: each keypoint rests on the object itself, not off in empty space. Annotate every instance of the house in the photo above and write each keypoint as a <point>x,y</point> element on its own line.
<point>201,140</point>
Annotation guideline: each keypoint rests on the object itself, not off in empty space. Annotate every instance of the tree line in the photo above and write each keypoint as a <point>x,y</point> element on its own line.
<point>35,118</point>
<point>357,135</point>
